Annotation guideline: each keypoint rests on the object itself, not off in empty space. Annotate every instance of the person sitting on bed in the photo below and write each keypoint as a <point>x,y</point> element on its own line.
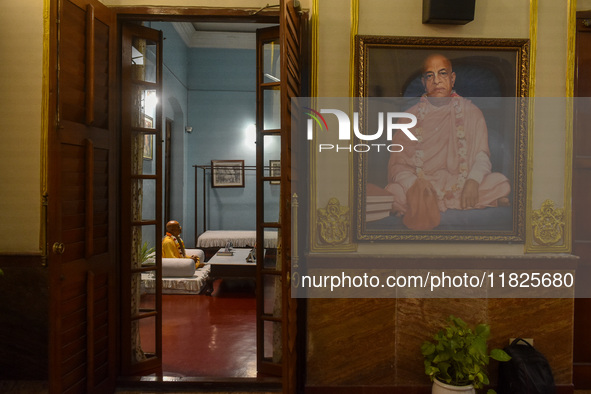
<point>173,245</point>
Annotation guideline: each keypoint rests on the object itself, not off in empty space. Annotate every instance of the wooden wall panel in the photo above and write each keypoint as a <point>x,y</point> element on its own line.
<point>24,313</point>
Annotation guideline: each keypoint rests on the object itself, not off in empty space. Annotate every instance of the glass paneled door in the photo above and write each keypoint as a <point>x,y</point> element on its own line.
<point>268,159</point>
<point>278,81</point>
<point>141,205</point>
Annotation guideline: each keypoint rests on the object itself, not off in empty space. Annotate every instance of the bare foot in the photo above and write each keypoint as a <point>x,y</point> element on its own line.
<point>397,210</point>
<point>503,202</point>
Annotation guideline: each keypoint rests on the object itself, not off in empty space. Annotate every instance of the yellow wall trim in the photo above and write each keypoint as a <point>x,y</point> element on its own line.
<point>569,140</point>
<point>533,39</point>
<point>44,124</point>
<point>533,245</point>
<point>354,32</point>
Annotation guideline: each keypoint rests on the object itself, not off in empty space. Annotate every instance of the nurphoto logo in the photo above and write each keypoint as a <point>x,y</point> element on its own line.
<point>391,120</point>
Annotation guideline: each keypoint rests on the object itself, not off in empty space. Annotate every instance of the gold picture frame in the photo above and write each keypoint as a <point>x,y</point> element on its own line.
<point>483,68</point>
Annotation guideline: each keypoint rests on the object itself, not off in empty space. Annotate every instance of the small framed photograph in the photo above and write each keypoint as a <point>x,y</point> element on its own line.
<point>148,147</point>
<point>275,170</point>
<point>227,173</point>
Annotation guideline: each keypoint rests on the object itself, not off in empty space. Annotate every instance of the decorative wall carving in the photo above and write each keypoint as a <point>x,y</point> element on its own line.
<point>548,224</point>
<point>333,222</point>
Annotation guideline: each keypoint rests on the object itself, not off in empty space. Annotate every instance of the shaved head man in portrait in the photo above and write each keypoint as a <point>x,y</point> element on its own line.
<point>449,166</point>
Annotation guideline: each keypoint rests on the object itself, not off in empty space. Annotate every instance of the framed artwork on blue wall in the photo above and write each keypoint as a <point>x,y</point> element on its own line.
<point>148,146</point>
<point>275,170</point>
<point>227,173</point>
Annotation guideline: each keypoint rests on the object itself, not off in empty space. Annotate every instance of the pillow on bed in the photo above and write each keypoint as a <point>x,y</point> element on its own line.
<point>177,267</point>
<point>172,267</point>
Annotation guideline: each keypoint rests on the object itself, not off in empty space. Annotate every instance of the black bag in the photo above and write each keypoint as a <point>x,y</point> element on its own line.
<point>528,371</point>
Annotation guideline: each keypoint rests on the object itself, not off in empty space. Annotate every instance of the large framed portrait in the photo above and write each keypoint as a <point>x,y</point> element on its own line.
<point>464,177</point>
<point>227,173</point>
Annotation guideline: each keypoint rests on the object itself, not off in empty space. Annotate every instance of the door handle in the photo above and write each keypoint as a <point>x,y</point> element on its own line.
<point>59,248</point>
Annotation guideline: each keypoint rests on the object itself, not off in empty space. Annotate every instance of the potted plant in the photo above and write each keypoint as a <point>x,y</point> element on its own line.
<point>458,358</point>
<point>146,252</point>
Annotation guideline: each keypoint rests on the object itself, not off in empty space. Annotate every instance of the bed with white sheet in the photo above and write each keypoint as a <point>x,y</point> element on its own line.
<point>238,238</point>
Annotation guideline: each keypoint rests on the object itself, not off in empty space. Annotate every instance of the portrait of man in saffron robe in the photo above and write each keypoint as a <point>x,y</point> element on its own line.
<point>458,179</point>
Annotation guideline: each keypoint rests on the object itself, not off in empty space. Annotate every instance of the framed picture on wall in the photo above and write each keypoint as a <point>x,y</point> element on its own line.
<point>148,146</point>
<point>227,173</point>
<point>148,138</point>
<point>275,170</point>
<point>464,178</point>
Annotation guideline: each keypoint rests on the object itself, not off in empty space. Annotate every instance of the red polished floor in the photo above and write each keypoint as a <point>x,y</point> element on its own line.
<point>209,336</point>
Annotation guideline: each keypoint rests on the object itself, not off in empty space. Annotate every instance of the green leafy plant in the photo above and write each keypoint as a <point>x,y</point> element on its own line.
<point>146,252</point>
<point>459,355</point>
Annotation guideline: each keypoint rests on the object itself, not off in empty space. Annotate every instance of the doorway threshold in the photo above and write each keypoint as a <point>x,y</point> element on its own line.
<point>165,383</point>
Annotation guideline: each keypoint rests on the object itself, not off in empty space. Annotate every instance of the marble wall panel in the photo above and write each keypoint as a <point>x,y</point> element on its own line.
<point>24,317</point>
<point>548,321</point>
<point>373,342</point>
<point>351,341</point>
<point>417,320</point>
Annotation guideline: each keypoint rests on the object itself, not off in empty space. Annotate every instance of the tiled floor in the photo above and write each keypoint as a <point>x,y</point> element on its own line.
<point>205,336</point>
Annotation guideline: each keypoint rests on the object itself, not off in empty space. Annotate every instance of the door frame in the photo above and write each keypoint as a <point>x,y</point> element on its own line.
<point>245,15</point>
<point>580,170</point>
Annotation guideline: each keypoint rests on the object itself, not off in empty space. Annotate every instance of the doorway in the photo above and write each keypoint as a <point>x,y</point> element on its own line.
<point>85,262</point>
<point>580,197</point>
<point>215,135</point>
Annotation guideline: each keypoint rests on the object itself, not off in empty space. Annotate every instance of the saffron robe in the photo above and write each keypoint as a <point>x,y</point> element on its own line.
<point>440,157</point>
<point>170,248</point>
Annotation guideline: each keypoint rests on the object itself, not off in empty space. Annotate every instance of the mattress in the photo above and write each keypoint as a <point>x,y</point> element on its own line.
<point>182,285</point>
<point>239,239</point>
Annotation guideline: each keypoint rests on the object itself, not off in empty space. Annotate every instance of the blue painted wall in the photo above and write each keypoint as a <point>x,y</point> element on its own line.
<point>222,97</point>
<point>174,106</point>
<point>213,91</point>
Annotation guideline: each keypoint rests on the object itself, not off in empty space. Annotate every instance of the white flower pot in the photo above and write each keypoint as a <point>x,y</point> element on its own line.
<point>443,388</point>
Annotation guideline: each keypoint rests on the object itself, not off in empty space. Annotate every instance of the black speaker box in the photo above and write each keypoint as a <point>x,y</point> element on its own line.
<point>450,12</point>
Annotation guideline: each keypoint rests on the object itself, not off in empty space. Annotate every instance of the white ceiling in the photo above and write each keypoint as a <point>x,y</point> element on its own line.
<point>219,35</point>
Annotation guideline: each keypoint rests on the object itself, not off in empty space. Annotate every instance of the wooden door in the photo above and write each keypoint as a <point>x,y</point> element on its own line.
<point>82,198</point>
<point>580,201</point>
<point>269,266</point>
<point>278,81</point>
<point>291,85</point>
